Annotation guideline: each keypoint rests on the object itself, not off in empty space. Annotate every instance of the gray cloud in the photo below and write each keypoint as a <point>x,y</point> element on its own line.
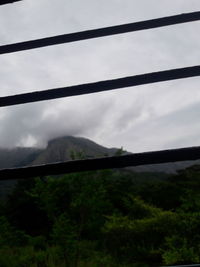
<point>141,118</point>
<point>35,124</point>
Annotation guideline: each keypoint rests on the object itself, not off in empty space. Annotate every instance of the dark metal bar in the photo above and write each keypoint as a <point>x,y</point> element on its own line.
<point>174,155</point>
<point>4,2</point>
<point>90,88</point>
<point>102,32</point>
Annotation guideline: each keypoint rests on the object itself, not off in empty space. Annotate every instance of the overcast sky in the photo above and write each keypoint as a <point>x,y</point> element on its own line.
<point>150,117</point>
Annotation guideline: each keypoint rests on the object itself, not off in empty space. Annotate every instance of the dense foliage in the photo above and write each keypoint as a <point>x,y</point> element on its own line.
<point>103,218</point>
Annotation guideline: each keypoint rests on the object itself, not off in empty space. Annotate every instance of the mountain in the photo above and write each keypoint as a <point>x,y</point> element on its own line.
<point>169,168</point>
<point>59,149</point>
<point>69,147</point>
<point>21,156</point>
<point>11,158</point>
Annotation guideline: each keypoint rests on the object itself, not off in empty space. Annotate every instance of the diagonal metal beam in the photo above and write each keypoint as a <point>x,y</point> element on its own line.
<point>4,2</point>
<point>90,88</point>
<point>137,159</point>
<point>102,32</point>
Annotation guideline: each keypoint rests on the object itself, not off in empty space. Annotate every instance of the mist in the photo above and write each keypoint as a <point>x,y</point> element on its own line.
<point>142,118</point>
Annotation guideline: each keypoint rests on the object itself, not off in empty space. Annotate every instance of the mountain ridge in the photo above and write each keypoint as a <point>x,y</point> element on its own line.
<point>57,149</point>
<point>69,147</point>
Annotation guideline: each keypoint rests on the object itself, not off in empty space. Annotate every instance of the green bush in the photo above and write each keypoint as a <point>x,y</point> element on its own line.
<point>138,240</point>
<point>180,252</point>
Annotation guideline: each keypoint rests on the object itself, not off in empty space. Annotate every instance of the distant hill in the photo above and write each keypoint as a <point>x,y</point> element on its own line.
<point>58,149</point>
<point>69,147</point>
<point>169,168</point>
<point>11,158</point>
<point>21,156</point>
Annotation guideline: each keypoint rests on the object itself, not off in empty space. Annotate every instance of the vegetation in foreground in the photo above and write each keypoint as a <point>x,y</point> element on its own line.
<point>103,218</point>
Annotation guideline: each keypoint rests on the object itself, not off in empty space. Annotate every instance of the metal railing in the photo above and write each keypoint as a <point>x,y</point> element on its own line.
<point>191,153</point>
<point>136,159</point>
<point>102,32</point>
